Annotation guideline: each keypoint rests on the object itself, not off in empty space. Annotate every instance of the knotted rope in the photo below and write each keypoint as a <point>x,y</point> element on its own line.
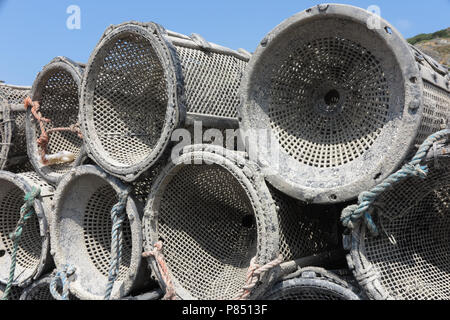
<point>26,212</point>
<point>254,274</point>
<point>62,276</point>
<point>44,138</point>
<point>117,217</point>
<point>365,207</point>
<point>157,253</point>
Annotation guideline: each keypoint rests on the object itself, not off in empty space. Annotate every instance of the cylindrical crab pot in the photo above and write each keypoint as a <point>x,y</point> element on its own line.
<point>409,258</point>
<point>14,150</point>
<point>213,216</point>
<point>56,89</point>
<point>14,293</point>
<point>81,233</point>
<point>138,85</point>
<point>312,284</point>
<point>33,253</point>
<point>40,290</point>
<point>333,106</point>
<point>305,230</point>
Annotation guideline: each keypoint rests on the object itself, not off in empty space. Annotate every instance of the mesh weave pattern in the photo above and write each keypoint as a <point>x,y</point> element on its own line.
<point>30,246</point>
<point>436,112</point>
<point>329,102</point>
<point>97,231</point>
<point>130,99</point>
<point>308,293</point>
<point>59,103</point>
<point>207,222</point>
<point>16,96</point>
<point>416,218</point>
<point>211,81</point>
<point>302,234</point>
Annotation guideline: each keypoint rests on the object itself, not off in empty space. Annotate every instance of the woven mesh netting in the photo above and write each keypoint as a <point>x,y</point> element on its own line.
<point>97,227</point>
<point>436,111</point>
<point>130,99</point>
<point>326,108</point>
<point>303,233</point>
<point>14,293</point>
<point>30,246</point>
<point>211,81</point>
<point>209,231</point>
<point>314,286</point>
<point>16,96</point>
<point>411,255</point>
<point>59,102</point>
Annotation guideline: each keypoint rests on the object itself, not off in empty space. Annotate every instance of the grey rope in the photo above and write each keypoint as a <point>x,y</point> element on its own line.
<point>117,217</point>
<point>365,207</point>
<point>26,212</point>
<point>62,276</point>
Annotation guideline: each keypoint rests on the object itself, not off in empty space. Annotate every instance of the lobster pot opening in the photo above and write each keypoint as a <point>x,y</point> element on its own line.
<point>14,126</point>
<point>409,260</point>
<point>40,290</point>
<point>32,257</point>
<point>139,82</point>
<point>304,231</point>
<point>344,104</point>
<point>56,89</point>
<point>312,284</point>
<point>211,226</point>
<point>81,233</point>
<point>14,293</point>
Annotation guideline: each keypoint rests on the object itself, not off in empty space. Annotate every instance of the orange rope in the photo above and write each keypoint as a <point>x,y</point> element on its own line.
<point>44,138</point>
<point>163,269</point>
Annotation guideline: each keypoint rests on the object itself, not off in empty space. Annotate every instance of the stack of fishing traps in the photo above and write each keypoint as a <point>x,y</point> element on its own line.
<point>169,167</point>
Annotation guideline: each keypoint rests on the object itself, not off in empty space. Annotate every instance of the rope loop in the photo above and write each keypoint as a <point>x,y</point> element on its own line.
<point>254,275</point>
<point>158,255</point>
<point>26,212</point>
<point>63,277</point>
<point>44,137</point>
<point>118,213</point>
<point>366,200</point>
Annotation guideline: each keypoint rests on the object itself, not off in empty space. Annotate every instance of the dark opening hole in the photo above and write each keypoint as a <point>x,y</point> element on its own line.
<point>413,79</point>
<point>333,197</point>
<point>2,253</point>
<point>332,97</point>
<point>248,221</point>
<point>377,176</point>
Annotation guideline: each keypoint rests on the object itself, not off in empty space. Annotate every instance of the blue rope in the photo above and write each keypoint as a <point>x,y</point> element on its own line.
<point>26,212</point>
<point>62,276</point>
<point>117,217</point>
<point>365,208</point>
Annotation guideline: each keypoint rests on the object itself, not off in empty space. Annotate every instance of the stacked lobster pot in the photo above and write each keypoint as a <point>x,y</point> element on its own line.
<point>143,82</point>
<point>312,283</point>
<point>54,140</point>
<point>29,248</point>
<point>344,104</point>
<point>211,218</point>
<point>13,154</point>
<point>400,249</point>
<point>81,234</point>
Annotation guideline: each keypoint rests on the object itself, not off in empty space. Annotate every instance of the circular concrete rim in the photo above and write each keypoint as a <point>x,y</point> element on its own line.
<point>6,128</point>
<point>176,110</point>
<point>58,63</point>
<point>250,180</point>
<point>294,184</point>
<point>22,184</point>
<point>121,288</point>
<point>42,282</point>
<point>316,282</point>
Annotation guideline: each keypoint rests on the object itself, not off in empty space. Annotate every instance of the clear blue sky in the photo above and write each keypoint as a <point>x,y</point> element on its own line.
<point>33,32</point>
